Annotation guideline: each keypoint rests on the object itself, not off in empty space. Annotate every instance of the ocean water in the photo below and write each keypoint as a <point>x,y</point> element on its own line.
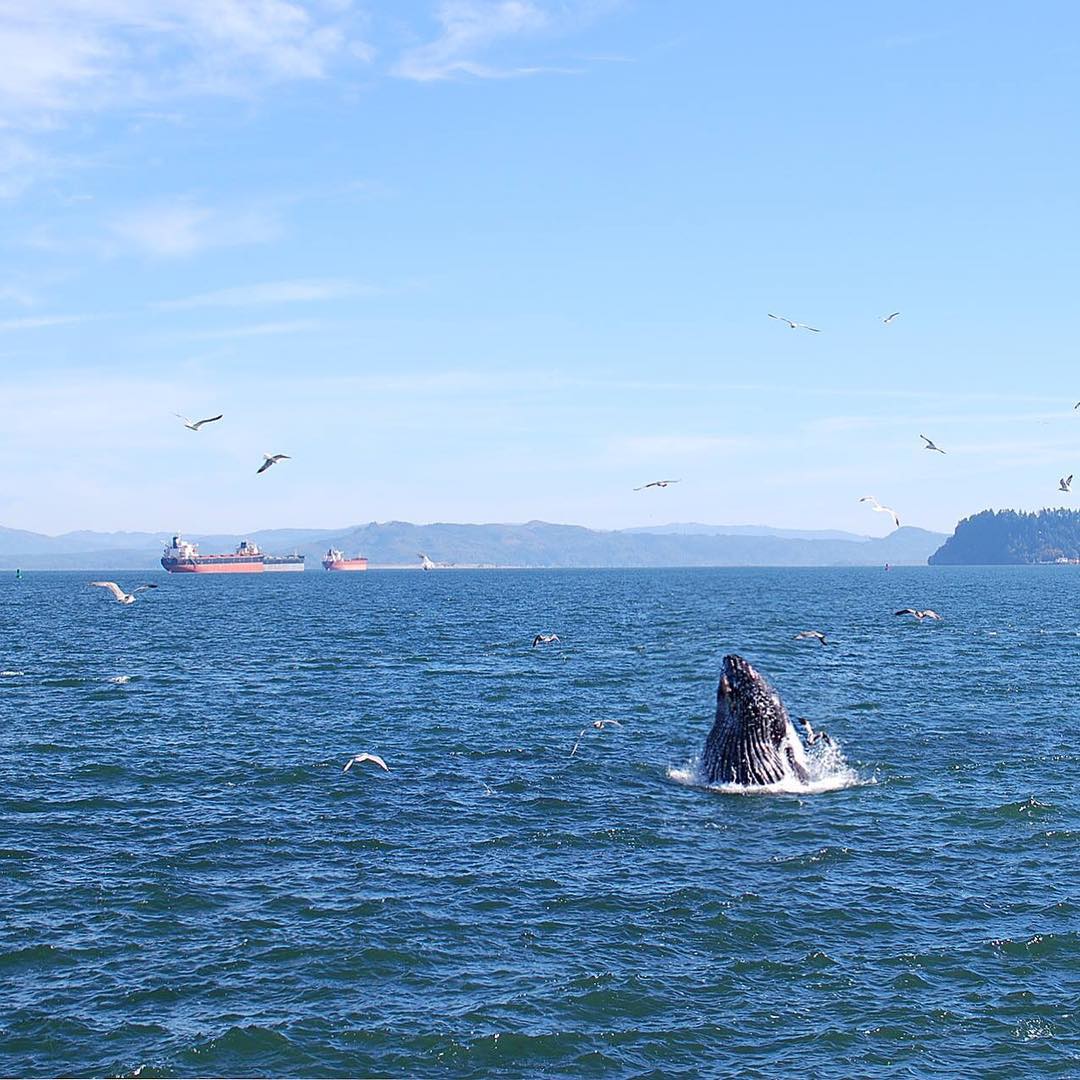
<point>191,885</point>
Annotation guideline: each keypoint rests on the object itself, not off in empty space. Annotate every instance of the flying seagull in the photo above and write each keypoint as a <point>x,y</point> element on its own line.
<point>194,425</point>
<point>889,318</point>
<point>1076,406</point>
<point>930,445</point>
<point>812,736</point>
<point>1065,483</point>
<point>544,639</point>
<point>358,759</point>
<point>920,615</point>
<point>270,459</point>
<point>656,484</point>
<point>794,325</point>
<point>875,505</point>
<point>121,596</point>
<point>811,634</point>
<point>599,725</point>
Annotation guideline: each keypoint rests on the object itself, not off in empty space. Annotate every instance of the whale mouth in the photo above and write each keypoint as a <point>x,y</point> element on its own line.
<point>737,675</point>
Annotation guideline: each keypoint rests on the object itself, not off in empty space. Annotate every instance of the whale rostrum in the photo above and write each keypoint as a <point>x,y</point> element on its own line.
<point>752,741</point>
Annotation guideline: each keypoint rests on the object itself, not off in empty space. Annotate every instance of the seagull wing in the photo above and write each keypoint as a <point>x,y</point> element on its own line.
<point>143,588</point>
<point>895,516</point>
<point>929,443</point>
<point>358,759</point>
<point>812,329</point>
<point>889,318</point>
<point>779,318</point>
<point>209,420</point>
<point>112,587</point>
<point>906,611</point>
<point>928,614</point>
<point>265,465</point>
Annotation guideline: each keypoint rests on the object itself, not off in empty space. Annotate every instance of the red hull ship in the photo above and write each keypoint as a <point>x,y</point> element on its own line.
<point>335,560</point>
<point>182,557</point>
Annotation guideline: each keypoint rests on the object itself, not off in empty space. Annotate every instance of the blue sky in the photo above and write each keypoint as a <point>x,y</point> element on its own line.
<point>496,261</point>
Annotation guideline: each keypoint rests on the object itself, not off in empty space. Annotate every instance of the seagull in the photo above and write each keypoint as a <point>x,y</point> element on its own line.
<point>656,484</point>
<point>1065,483</point>
<point>270,459</point>
<point>599,725</point>
<point>544,639</point>
<point>930,445</point>
<point>889,318</point>
<point>1076,406</point>
<point>811,634</point>
<point>121,596</point>
<point>358,759</point>
<point>194,425</point>
<point>875,505</point>
<point>794,325</point>
<point>920,615</point>
<point>813,736</point>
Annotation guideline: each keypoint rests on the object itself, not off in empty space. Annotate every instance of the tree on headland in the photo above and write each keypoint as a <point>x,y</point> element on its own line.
<point>1010,537</point>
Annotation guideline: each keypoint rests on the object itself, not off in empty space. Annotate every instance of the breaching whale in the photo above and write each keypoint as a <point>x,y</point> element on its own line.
<point>753,740</point>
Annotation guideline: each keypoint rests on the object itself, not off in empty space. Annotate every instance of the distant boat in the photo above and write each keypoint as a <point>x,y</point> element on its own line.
<point>887,566</point>
<point>336,560</point>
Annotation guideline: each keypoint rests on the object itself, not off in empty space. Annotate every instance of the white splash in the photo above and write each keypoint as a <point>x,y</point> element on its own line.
<point>10,674</point>
<point>828,769</point>
<point>119,679</point>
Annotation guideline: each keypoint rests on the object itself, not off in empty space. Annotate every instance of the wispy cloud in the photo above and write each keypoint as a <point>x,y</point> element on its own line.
<point>38,321</point>
<point>17,294</point>
<point>70,55</point>
<point>183,227</point>
<point>659,447</point>
<point>65,58</point>
<point>267,329</point>
<point>301,290</point>
<point>470,29</point>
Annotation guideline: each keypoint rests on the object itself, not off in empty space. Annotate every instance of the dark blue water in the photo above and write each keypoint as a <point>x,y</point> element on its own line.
<point>190,885</point>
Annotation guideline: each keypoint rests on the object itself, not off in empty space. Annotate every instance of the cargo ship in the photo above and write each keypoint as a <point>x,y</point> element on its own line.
<point>182,557</point>
<point>335,560</point>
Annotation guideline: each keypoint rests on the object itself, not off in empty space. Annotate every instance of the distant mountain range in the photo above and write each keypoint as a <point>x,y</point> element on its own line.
<point>534,544</point>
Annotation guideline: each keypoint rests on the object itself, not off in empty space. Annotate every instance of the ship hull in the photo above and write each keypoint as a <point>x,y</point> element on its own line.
<point>213,566</point>
<point>291,567</point>
<point>345,565</point>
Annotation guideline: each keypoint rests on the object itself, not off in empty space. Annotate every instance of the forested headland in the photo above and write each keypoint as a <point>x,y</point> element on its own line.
<point>1010,537</point>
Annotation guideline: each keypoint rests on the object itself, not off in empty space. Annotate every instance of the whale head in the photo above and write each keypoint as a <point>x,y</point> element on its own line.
<point>752,740</point>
